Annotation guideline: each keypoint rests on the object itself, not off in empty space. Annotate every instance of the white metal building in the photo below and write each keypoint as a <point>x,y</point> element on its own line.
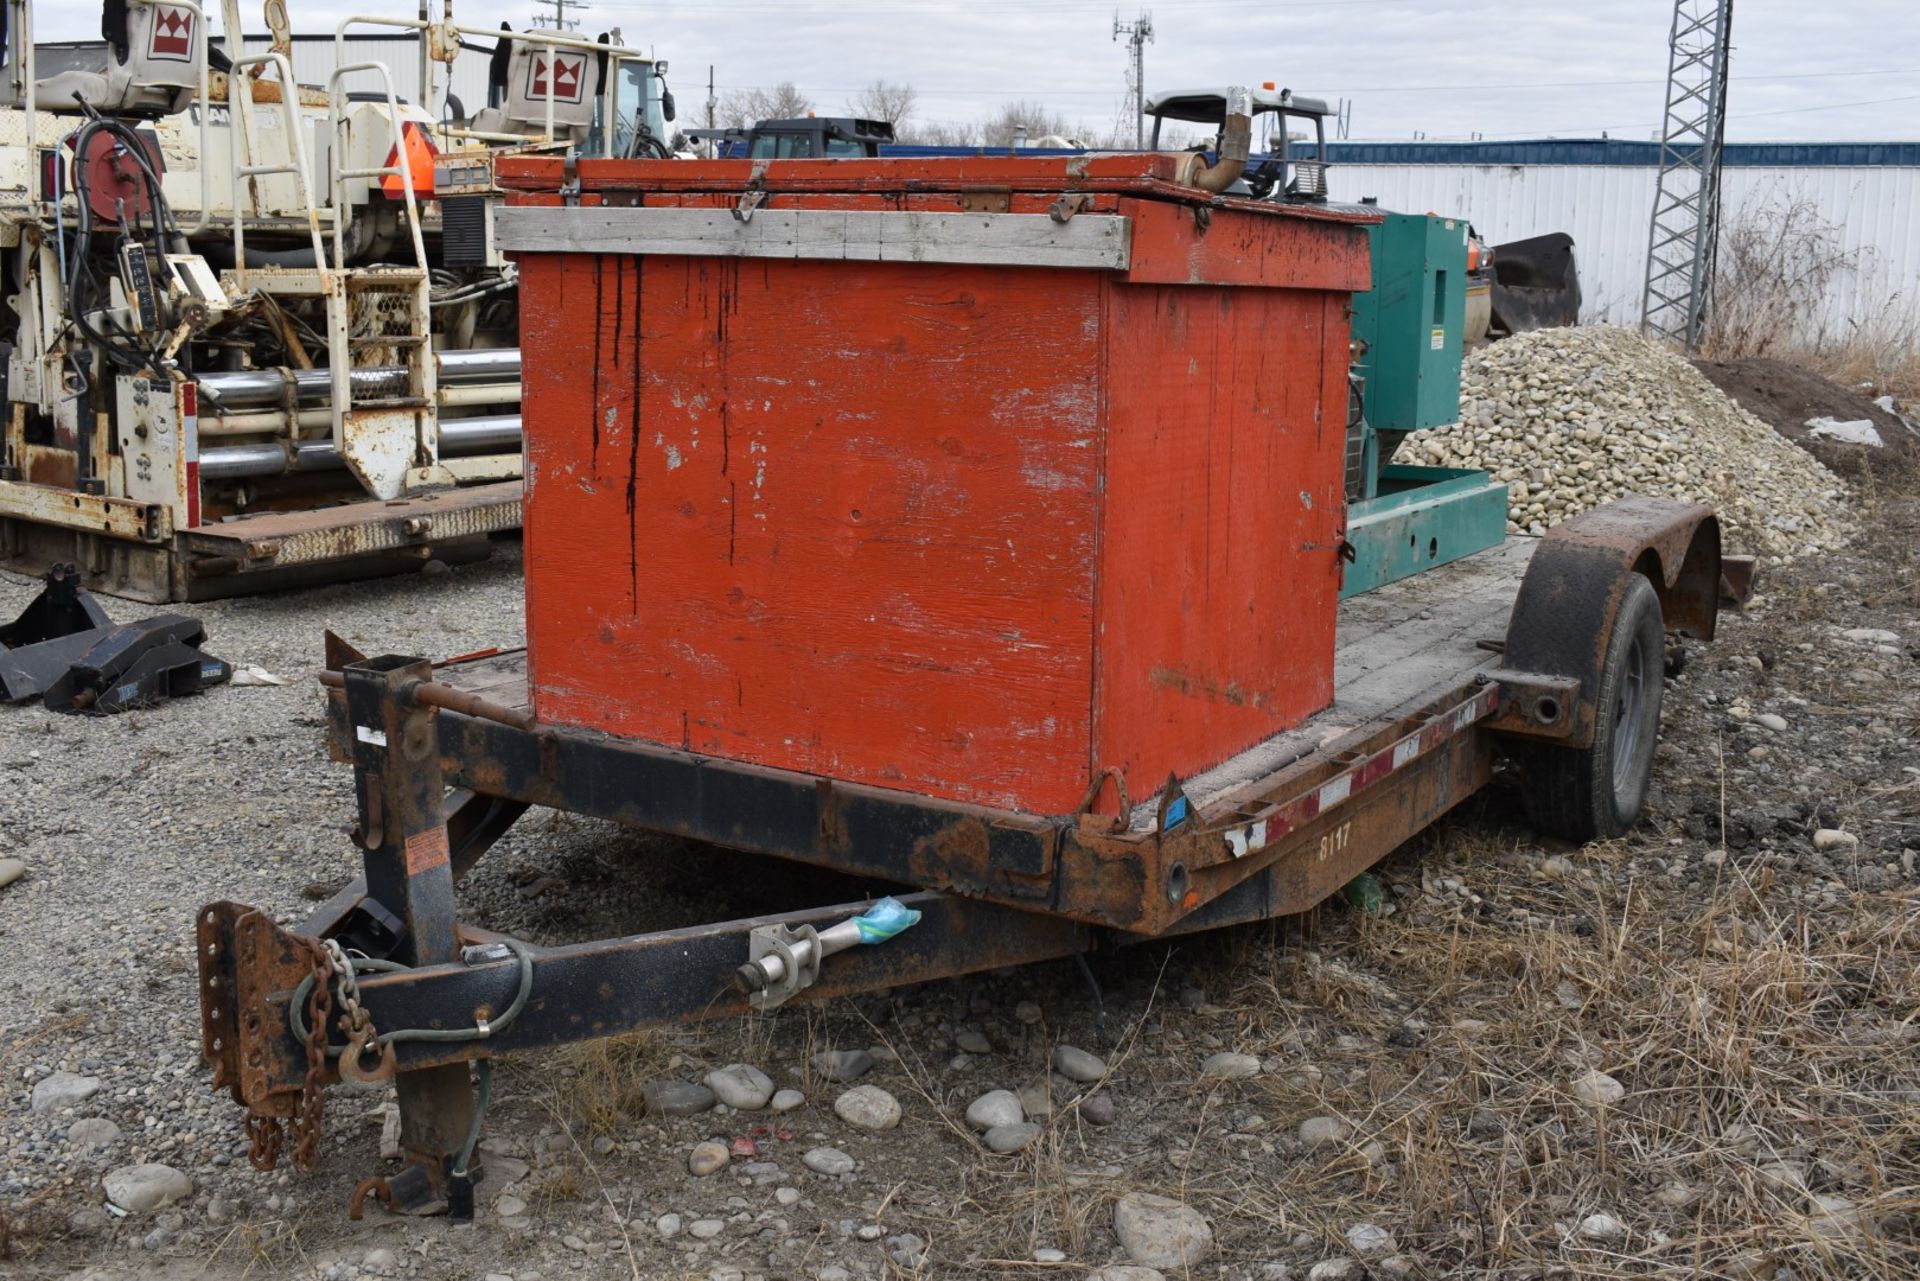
<point>1601,192</point>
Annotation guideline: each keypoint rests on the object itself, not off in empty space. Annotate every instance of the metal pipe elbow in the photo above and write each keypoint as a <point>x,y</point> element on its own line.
<point>1236,143</point>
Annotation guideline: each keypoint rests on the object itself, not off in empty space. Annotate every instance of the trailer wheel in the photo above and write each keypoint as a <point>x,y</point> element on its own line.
<point>1596,792</point>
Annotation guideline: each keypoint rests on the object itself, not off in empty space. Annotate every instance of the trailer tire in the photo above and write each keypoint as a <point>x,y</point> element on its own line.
<point>1597,792</point>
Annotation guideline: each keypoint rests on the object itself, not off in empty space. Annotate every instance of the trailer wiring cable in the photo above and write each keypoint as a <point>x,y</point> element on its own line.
<point>360,964</point>
<point>483,1073</point>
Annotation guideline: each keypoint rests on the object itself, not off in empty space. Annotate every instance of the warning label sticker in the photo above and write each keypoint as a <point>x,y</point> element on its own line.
<point>427,850</point>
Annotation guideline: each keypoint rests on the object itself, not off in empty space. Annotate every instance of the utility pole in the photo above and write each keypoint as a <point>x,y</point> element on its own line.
<point>1686,199</point>
<point>713,147</point>
<point>1139,34</point>
<point>553,14</point>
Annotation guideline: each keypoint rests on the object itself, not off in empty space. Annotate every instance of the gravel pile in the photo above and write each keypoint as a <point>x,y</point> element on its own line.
<point>1573,418</point>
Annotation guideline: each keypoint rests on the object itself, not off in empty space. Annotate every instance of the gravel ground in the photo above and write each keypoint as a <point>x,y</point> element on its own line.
<point>1689,1052</point>
<point>1572,418</point>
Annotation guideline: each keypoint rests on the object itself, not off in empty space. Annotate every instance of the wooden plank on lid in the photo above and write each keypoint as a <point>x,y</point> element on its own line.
<point>1089,241</point>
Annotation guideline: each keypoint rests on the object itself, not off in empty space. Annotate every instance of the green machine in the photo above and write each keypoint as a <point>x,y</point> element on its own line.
<point>1406,376</point>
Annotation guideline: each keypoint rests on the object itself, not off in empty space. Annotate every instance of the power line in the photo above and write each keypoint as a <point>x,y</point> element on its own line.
<point>553,13</point>
<point>979,90</point>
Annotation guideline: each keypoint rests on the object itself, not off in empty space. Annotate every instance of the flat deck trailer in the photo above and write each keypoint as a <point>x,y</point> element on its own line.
<point>446,757</point>
<point>973,527</point>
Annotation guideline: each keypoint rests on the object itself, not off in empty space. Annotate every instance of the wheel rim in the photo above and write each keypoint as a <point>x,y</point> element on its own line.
<point>1629,703</point>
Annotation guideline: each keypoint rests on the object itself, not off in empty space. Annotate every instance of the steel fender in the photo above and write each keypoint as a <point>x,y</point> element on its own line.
<point>1573,587</point>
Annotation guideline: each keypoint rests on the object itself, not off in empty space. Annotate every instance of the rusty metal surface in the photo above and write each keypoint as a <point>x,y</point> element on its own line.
<point>1563,617</point>
<point>1536,704</point>
<point>465,702</point>
<point>93,513</point>
<point>248,970</point>
<point>407,863</point>
<point>1321,857</point>
<point>279,539</point>
<point>116,566</point>
<point>668,978</point>
<point>538,179</point>
<point>1083,871</point>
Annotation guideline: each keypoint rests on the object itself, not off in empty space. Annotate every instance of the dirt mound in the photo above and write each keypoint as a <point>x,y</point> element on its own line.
<point>1786,396</point>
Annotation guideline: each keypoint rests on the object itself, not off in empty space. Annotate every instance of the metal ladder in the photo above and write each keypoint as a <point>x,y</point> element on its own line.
<point>246,173</point>
<point>388,442</point>
<point>380,316</point>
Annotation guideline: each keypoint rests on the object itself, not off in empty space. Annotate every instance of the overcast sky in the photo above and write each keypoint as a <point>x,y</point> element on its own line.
<point>1802,69</point>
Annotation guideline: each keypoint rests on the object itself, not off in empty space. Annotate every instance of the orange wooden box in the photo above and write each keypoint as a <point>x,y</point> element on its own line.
<point>914,515</point>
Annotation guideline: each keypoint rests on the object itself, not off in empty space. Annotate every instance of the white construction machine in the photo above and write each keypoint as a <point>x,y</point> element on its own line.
<point>258,334</point>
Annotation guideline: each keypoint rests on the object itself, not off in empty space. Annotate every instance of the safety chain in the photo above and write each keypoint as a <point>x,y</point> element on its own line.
<point>306,1122</point>
<point>267,1134</point>
<point>355,1023</point>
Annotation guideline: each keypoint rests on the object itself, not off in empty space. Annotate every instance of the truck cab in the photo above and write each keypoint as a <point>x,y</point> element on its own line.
<point>1295,174</point>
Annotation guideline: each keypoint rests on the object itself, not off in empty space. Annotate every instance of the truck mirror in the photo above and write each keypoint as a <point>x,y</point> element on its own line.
<point>666,103</point>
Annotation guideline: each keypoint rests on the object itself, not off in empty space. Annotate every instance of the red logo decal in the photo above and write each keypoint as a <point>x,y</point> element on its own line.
<point>568,77</point>
<point>172,34</point>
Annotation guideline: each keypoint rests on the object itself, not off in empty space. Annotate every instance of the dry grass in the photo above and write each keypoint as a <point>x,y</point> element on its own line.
<point>267,1247</point>
<point>1743,1037</point>
<point>1883,359</point>
<point>1768,1055</point>
<point>1775,268</point>
<point>593,1087</point>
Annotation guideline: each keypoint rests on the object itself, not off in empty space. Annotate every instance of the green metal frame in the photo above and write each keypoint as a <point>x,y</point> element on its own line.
<point>1421,517</point>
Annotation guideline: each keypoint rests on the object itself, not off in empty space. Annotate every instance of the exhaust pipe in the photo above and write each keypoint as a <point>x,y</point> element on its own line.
<point>1236,144</point>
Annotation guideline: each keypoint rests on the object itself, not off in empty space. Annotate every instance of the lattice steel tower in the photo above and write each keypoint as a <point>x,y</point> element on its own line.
<point>1686,198</point>
<point>1139,34</point>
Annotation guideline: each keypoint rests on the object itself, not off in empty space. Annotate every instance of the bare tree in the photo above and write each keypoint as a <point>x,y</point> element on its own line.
<point>884,100</point>
<point>1034,119</point>
<point>742,107</point>
<point>944,133</point>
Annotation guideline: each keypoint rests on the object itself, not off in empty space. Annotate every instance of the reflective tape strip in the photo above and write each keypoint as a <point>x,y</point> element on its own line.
<point>1284,818</point>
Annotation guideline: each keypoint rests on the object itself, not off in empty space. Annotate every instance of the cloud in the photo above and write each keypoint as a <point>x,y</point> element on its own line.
<point>1445,68</point>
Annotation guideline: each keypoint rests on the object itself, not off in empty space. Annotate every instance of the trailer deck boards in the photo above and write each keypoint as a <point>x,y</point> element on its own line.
<point>1396,648</point>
